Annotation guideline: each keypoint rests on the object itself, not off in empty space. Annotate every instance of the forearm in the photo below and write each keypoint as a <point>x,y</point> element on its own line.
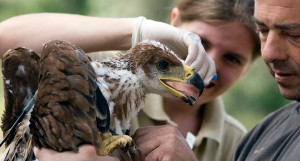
<point>95,34</point>
<point>90,33</point>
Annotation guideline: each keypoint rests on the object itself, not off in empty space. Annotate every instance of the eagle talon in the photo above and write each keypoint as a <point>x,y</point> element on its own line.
<point>110,143</point>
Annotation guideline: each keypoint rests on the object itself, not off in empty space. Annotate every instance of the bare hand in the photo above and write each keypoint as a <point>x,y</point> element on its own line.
<point>86,153</point>
<point>162,143</point>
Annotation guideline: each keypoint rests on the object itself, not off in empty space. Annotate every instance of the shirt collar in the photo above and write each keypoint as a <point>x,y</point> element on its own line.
<point>154,109</point>
<point>213,122</point>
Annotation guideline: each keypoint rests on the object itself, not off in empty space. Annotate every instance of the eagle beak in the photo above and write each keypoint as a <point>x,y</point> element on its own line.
<point>191,79</point>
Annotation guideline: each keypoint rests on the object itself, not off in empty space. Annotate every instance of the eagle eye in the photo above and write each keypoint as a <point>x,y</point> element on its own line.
<point>163,65</point>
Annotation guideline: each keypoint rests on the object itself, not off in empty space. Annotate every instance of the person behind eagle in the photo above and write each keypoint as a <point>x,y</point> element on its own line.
<point>212,134</point>
<point>98,34</point>
<point>228,35</point>
<point>277,136</point>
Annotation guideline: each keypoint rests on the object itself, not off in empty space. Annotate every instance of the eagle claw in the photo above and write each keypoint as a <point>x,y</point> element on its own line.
<point>111,142</point>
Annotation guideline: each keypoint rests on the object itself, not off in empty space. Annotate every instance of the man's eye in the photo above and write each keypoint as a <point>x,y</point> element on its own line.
<point>293,38</point>
<point>262,32</point>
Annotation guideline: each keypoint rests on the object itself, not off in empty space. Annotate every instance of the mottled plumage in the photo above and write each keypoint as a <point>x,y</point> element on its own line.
<point>127,79</point>
<point>82,102</point>
<point>64,115</point>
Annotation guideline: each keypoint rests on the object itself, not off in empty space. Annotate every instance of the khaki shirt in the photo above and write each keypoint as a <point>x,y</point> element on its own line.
<point>219,134</point>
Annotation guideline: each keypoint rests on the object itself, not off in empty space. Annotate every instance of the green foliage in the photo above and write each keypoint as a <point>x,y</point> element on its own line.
<point>9,8</point>
<point>154,9</point>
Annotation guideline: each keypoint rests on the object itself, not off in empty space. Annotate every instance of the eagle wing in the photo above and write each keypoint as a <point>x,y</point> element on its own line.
<point>20,75</point>
<point>64,115</point>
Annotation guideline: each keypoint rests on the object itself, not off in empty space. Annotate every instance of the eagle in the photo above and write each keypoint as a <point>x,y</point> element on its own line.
<point>72,100</point>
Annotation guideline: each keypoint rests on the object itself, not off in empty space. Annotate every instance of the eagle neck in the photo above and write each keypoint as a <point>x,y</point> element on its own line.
<point>123,88</point>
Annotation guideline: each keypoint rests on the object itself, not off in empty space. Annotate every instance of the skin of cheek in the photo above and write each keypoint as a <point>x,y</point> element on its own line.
<point>226,78</point>
<point>228,73</point>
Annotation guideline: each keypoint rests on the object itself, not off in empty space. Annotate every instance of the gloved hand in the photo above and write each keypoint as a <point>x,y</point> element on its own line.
<point>186,45</point>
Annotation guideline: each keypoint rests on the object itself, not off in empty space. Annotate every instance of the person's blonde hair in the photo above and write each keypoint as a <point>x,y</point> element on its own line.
<point>220,11</point>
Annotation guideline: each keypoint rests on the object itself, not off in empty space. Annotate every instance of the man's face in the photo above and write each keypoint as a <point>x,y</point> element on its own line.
<point>278,23</point>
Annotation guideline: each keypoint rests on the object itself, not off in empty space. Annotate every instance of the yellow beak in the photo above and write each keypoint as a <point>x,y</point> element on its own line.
<point>190,77</point>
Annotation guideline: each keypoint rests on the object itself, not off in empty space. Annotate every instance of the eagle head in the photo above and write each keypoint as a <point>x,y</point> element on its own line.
<point>162,72</point>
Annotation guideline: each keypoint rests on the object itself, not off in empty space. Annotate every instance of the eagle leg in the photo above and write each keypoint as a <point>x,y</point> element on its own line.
<point>111,142</point>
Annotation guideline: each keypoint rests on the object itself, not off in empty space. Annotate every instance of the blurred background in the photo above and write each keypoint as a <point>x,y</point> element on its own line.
<point>252,98</point>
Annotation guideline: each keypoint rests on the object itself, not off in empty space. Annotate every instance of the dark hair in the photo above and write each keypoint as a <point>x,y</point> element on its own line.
<point>221,11</point>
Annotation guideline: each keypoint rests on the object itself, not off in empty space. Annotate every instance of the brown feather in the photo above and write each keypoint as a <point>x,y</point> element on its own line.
<point>64,115</point>
<point>149,55</point>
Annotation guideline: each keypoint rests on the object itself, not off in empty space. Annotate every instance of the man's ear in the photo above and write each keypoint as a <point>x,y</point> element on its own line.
<point>174,17</point>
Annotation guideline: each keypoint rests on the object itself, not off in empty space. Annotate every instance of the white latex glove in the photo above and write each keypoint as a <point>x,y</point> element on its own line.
<point>186,45</point>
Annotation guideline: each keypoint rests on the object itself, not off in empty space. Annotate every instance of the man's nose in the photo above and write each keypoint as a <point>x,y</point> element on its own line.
<point>274,48</point>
